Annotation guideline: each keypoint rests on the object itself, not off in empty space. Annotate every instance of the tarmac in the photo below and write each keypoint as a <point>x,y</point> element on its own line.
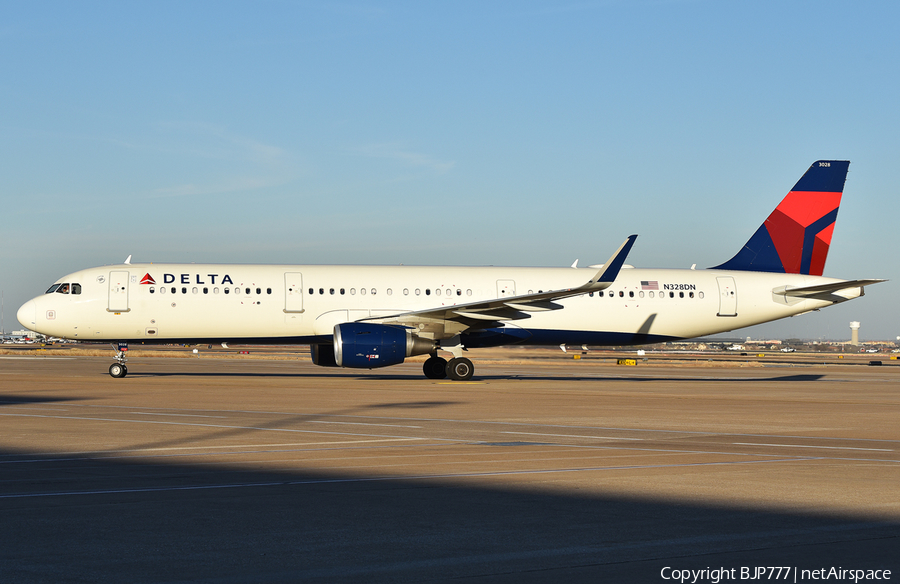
<point>537,470</point>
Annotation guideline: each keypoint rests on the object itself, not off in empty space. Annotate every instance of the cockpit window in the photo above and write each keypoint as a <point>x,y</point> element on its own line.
<point>63,289</point>
<point>76,288</point>
<point>52,289</point>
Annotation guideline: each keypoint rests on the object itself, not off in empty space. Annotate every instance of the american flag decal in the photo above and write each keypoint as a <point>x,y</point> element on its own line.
<point>649,285</point>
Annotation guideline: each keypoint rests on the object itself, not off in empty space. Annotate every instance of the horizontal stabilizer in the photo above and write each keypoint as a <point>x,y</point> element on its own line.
<point>807,291</point>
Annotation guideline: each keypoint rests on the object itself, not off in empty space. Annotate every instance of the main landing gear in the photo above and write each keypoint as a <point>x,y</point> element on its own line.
<point>118,369</point>
<point>457,369</point>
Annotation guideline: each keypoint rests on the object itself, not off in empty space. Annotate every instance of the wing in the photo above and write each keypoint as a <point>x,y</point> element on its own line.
<point>447,321</point>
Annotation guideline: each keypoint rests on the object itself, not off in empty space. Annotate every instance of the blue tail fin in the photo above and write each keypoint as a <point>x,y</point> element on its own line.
<point>796,236</point>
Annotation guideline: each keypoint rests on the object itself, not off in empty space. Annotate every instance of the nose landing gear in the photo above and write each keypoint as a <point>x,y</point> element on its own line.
<point>118,369</point>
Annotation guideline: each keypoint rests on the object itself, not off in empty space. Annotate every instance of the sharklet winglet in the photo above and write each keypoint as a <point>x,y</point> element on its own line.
<point>607,275</point>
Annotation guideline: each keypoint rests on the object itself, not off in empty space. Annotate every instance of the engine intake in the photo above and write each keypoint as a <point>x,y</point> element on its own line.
<point>362,345</point>
<point>322,354</point>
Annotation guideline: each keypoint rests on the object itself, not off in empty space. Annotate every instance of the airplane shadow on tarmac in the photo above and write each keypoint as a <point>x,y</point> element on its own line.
<point>414,377</point>
<point>89,518</point>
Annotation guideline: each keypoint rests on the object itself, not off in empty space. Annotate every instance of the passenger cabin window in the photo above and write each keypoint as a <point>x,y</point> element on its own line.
<point>152,289</point>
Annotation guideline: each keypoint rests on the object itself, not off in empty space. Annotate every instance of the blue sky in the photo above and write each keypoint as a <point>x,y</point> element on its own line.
<point>472,133</point>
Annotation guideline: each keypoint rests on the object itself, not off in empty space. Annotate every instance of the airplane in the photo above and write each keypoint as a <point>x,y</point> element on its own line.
<point>376,316</point>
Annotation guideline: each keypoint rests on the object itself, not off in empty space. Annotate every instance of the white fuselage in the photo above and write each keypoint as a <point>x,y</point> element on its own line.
<point>302,303</point>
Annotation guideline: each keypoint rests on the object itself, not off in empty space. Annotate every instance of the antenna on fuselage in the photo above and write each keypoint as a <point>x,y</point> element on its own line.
<point>127,260</point>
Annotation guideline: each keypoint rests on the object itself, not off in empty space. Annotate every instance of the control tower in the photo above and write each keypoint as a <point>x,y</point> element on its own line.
<point>854,332</point>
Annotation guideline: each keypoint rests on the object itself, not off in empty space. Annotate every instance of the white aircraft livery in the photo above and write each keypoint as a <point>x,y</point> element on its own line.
<point>376,316</point>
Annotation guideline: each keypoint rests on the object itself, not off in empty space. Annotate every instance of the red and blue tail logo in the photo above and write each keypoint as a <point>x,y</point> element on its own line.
<point>796,236</point>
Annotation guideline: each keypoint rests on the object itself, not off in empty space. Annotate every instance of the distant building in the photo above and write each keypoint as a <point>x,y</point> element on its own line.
<point>26,333</point>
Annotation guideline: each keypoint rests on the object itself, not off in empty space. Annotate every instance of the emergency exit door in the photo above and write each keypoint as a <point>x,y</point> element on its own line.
<point>506,288</point>
<point>293,292</point>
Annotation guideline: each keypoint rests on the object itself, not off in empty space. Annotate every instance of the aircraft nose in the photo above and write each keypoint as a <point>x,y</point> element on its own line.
<point>27,315</point>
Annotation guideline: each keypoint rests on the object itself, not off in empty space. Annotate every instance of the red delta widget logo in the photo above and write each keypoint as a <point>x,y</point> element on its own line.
<point>189,279</point>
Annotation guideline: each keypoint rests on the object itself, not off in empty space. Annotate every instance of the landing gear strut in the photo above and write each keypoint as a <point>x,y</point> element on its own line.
<point>118,369</point>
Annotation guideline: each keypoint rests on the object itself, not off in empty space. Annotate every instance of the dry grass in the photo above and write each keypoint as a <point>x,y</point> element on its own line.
<point>497,356</point>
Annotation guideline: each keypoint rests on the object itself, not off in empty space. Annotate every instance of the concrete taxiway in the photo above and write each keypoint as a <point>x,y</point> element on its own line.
<point>233,470</point>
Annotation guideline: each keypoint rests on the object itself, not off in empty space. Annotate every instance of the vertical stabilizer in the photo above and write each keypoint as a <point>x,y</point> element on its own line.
<point>796,236</point>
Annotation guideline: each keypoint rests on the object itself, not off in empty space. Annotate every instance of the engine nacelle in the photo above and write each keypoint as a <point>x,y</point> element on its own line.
<point>366,346</point>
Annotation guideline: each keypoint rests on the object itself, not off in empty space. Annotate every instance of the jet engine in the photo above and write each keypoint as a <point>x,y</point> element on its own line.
<point>366,346</point>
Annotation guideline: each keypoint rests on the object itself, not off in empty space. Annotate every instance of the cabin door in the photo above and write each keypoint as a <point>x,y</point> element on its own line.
<point>118,291</point>
<point>727,296</point>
